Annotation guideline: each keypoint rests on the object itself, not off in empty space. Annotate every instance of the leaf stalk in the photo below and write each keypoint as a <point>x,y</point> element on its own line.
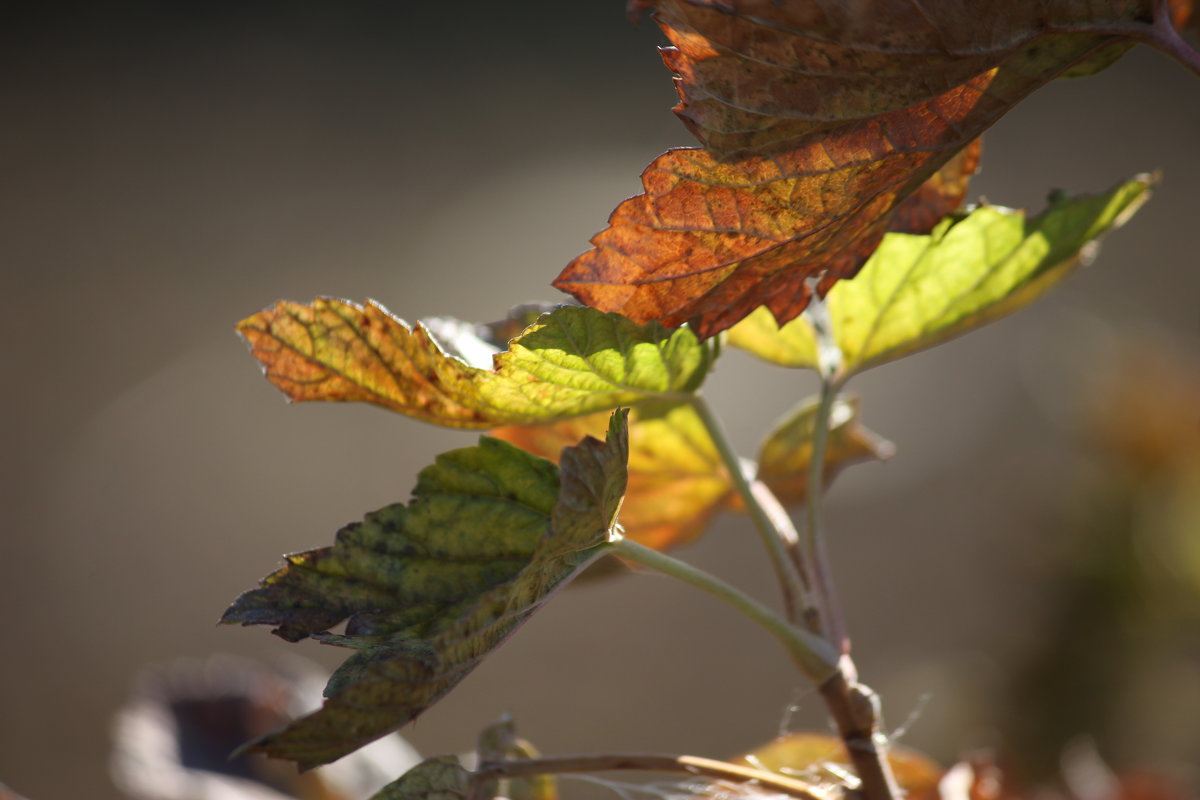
<point>814,656</point>
<point>775,538</point>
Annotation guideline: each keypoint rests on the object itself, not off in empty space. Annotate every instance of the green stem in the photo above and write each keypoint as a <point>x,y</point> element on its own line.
<point>816,554</point>
<point>829,365</point>
<point>814,656</point>
<point>792,583</point>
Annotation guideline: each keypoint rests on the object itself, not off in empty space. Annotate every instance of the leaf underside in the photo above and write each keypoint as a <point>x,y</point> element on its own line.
<point>917,291</point>
<point>428,589</point>
<point>820,122</point>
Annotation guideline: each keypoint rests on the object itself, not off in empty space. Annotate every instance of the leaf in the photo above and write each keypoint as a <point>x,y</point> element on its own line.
<point>441,778</point>
<point>822,758</point>
<point>784,455</point>
<point>819,121</point>
<point>677,481</point>
<point>429,589</point>
<point>918,291</point>
<point>571,361</point>
<point>499,742</point>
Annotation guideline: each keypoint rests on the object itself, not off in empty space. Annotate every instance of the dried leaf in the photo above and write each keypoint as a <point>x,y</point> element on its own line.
<point>428,589</point>
<point>441,778</point>
<point>677,482</point>
<point>819,121</point>
<point>821,758</point>
<point>571,361</point>
<point>784,455</point>
<point>917,291</point>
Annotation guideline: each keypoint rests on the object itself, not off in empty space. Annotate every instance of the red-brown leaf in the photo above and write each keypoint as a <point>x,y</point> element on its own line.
<point>820,121</point>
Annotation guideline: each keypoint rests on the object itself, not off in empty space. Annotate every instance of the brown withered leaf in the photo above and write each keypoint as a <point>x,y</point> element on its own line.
<point>819,121</point>
<point>677,482</point>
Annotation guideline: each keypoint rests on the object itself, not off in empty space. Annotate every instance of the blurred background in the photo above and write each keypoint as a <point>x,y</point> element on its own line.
<point>171,168</point>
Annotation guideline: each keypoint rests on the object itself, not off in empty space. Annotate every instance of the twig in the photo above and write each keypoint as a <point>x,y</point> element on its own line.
<point>648,762</point>
<point>855,711</point>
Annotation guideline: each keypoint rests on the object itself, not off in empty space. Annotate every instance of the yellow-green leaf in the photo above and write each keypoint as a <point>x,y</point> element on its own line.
<point>677,482</point>
<point>917,291</point>
<point>429,588</point>
<point>784,455</point>
<point>571,361</point>
<point>499,742</point>
<point>441,778</point>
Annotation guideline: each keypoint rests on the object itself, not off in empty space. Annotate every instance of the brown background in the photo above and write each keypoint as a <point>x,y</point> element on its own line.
<point>169,169</point>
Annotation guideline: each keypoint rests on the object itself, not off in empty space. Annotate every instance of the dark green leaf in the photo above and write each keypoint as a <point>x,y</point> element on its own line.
<point>429,588</point>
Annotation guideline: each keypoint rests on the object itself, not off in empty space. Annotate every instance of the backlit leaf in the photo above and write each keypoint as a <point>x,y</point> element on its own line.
<point>784,456</point>
<point>569,362</point>
<point>441,778</point>
<point>819,119</point>
<point>821,758</point>
<point>429,588</point>
<point>677,481</point>
<point>917,291</point>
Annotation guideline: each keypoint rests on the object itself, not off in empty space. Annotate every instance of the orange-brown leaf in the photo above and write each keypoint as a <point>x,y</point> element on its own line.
<point>821,120</point>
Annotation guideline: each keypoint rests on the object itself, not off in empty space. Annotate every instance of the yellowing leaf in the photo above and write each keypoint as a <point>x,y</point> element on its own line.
<point>819,120</point>
<point>429,588</point>
<point>571,361</point>
<point>785,454</point>
<point>917,291</point>
<point>821,758</point>
<point>677,481</point>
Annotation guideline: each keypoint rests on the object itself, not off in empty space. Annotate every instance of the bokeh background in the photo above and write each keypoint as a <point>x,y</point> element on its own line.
<point>171,168</point>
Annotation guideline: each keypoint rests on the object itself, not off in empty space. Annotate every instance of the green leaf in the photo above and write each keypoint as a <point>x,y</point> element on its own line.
<point>429,588</point>
<point>441,778</point>
<point>918,291</point>
<point>784,455</point>
<point>569,362</point>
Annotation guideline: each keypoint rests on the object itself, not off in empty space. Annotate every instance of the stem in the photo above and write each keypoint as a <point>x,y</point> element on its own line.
<point>855,711</point>
<point>829,364</point>
<point>1166,39</point>
<point>648,762</point>
<point>792,583</point>
<point>814,656</point>
<point>817,556</point>
<point>854,707</point>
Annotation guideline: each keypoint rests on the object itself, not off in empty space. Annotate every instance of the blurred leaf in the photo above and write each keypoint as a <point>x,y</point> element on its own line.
<point>499,742</point>
<point>572,361</point>
<point>784,456</point>
<point>441,778</point>
<point>428,589</point>
<point>917,291</point>
<point>677,481</point>
<point>821,758</point>
<point>818,120</point>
